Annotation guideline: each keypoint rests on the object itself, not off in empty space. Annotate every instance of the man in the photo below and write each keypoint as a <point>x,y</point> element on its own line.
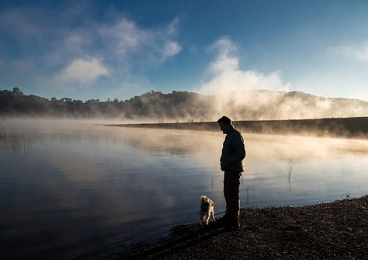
<point>231,161</point>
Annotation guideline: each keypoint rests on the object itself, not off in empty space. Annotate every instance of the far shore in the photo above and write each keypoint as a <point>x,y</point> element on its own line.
<point>349,127</point>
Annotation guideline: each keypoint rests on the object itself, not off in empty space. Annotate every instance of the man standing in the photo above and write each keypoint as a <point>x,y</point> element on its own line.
<point>231,161</point>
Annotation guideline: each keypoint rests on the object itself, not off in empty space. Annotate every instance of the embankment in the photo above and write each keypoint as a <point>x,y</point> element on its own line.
<point>351,127</point>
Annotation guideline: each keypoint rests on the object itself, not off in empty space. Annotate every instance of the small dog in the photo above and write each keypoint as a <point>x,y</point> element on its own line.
<point>206,211</point>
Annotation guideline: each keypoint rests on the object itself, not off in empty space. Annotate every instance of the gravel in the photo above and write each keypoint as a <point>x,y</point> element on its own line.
<point>336,230</point>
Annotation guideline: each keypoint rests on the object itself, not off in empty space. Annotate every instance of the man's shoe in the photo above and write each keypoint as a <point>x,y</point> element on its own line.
<point>232,225</point>
<point>222,221</point>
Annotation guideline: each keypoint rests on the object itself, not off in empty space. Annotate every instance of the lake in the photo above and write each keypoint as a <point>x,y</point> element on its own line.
<point>73,188</point>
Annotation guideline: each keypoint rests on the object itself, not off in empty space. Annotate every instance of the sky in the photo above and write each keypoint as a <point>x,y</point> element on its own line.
<point>89,49</point>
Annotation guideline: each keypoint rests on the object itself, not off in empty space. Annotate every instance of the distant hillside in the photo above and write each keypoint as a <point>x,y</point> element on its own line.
<point>179,106</point>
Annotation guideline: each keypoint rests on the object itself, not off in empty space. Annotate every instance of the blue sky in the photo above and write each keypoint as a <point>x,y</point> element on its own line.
<point>118,49</point>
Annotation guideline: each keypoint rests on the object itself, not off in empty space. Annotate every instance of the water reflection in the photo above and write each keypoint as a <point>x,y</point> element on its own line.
<point>69,189</point>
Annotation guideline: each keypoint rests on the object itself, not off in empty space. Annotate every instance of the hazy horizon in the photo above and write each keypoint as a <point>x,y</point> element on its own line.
<point>190,106</point>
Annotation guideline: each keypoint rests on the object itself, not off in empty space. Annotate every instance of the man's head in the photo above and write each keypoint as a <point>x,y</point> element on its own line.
<point>224,122</point>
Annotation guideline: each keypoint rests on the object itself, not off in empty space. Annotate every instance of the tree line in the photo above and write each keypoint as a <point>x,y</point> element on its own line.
<point>152,105</point>
<point>184,106</point>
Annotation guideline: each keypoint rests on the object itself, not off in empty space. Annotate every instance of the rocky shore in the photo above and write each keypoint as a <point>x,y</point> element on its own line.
<point>336,230</point>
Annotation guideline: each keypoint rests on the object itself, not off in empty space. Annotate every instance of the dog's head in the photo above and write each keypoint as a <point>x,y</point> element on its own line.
<point>206,201</point>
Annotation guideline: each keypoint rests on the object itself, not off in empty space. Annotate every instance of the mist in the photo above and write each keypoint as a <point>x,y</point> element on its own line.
<point>184,106</point>
<point>280,105</point>
<point>253,95</point>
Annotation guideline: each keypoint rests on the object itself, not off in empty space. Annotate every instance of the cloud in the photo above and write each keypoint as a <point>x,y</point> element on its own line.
<point>83,71</point>
<point>126,42</point>
<point>171,48</point>
<point>224,61</point>
<point>66,44</point>
<point>226,76</point>
<point>124,37</point>
<point>357,52</point>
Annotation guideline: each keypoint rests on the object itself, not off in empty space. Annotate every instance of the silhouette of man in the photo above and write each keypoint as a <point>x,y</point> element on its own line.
<point>231,161</point>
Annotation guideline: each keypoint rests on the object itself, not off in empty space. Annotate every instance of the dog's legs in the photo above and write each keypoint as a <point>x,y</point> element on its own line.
<point>213,217</point>
<point>201,218</point>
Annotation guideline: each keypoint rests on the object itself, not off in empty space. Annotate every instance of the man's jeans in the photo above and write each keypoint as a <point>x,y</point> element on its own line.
<point>231,193</point>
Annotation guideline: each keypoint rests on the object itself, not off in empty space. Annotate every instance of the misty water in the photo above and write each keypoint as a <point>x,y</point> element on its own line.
<point>69,189</point>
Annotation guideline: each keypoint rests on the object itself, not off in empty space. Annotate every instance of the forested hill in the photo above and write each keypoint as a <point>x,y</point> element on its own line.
<point>186,106</point>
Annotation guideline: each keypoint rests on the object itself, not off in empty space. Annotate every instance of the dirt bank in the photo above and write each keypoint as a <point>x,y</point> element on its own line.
<point>337,230</point>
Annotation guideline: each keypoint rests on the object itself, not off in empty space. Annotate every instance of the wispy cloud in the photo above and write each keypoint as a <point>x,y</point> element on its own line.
<point>125,41</point>
<point>226,75</point>
<point>357,52</point>
<point>83,71</point>
<point>122,38</point>
<point>170,49</point>
<point>226,61</point>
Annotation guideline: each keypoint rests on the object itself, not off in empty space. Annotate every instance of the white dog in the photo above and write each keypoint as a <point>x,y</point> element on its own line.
<point>206,211</point>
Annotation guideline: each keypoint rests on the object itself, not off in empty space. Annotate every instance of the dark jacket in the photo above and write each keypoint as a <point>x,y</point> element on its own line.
<point>233,151</point>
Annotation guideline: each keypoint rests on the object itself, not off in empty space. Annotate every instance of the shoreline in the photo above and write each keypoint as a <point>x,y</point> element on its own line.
<point>333,230</point>
<point>350,127</point>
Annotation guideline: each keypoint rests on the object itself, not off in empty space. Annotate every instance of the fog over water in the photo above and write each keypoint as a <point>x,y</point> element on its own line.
<point>70,188</point>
